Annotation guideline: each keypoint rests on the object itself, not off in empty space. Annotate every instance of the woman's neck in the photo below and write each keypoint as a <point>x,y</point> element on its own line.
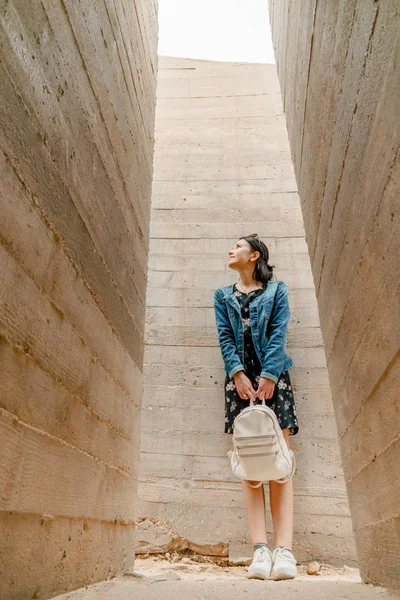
<point>246,280</point>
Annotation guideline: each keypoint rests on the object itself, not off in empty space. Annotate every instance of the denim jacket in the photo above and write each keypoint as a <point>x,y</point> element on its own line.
<point>269,315</point>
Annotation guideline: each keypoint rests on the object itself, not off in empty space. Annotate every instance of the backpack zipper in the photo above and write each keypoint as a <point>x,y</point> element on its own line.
<point>256,445</point>
<point>240,455</point>
<point>254,437</point>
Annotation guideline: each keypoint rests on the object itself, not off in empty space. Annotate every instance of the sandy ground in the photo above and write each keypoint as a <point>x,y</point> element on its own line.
<point>184,578</point>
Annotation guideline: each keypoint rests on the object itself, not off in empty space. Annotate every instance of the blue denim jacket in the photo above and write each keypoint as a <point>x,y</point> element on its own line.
<point>269,315</point>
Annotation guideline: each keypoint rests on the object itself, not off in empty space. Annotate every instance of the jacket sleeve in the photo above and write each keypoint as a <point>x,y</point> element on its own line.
<point>274,357</point>
<point>226,337</point>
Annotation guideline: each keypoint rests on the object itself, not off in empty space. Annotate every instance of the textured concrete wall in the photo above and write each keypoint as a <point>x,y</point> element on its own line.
<point>338,64</point>
<point>77,121</point>
<point>223,169</point>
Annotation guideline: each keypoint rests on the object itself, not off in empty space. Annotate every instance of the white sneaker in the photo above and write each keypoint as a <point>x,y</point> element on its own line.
<point>284,564</point>
<point>260,568</point>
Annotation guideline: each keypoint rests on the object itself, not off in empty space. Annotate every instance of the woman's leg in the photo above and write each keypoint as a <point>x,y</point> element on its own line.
<point>281,502</point>
<point>254,501</point>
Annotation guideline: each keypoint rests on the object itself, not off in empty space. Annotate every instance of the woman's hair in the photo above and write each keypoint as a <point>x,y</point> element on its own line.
<point>262,271</point>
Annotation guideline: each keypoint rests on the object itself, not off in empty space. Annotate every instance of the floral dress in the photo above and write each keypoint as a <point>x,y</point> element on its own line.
<point>282,401</point>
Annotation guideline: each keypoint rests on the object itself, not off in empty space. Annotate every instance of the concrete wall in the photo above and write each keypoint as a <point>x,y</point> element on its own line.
<point>77,120</point>
<point>338,65</point>
<point>222,170</point>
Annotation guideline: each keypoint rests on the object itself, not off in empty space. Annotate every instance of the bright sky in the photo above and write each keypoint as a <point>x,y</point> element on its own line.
<point>225,30</point>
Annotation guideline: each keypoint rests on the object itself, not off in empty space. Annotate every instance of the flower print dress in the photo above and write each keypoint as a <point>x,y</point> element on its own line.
<point>282,401</point>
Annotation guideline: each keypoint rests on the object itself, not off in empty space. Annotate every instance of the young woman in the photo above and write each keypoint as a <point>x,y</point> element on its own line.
<point>252,319</point>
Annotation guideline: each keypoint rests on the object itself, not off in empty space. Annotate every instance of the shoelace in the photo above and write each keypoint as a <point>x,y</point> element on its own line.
<point>284,553</point>
<point>262,554</point>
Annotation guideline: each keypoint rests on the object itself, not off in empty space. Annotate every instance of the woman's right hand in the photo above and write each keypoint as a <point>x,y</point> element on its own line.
<point>244,386</point>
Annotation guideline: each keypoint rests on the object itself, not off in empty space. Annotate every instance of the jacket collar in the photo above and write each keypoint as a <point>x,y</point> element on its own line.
<point>269,292</point>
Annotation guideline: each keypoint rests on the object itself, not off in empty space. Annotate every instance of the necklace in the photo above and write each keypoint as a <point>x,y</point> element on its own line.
<point>247,291</point>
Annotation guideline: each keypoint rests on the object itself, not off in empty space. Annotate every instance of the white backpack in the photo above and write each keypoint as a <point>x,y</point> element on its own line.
<point>260,452</point>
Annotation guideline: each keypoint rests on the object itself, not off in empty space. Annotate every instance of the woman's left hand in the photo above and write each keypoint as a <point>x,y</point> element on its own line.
<point>265,389</point>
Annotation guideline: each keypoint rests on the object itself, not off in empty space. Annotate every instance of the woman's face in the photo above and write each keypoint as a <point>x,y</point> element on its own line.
<point>241,256</point>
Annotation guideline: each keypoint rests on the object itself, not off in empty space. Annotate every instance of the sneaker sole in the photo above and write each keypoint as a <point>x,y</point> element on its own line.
<point>281,575</point>
<point>257,575</point>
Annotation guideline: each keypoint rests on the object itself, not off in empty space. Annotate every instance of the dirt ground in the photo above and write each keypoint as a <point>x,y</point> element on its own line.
<point>187,578</point>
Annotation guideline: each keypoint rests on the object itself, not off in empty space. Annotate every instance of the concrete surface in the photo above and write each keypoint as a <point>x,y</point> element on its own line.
<point>204,581</point>
<point>222,169</point>
<point>126,589</point>
<point>338,65</point>
<point>77,120</point>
